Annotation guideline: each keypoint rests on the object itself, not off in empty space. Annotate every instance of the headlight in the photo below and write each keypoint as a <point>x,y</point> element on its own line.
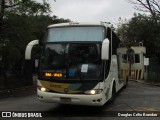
<point>93,92</point>
<point>43,89</point>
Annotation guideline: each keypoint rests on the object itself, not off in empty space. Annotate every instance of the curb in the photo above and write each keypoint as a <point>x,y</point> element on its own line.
<point>143,82</point>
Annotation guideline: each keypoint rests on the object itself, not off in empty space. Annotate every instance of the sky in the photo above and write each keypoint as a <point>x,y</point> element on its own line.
<point>92,10</point>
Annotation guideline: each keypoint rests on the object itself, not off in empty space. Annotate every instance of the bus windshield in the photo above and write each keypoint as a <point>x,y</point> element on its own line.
<point>83,33</point>
<point>72,60</point>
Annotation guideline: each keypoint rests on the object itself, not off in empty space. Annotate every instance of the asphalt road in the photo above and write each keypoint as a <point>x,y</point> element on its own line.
<point>136,97</point>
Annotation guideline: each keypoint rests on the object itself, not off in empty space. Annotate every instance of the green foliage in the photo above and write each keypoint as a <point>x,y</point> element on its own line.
<point>32,8</point>
<point>23,21</point>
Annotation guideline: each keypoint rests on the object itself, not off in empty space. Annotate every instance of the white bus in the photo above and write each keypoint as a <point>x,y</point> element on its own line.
<point>78,64</point>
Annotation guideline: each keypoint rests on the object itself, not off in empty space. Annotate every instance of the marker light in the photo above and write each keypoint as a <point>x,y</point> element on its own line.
<point>73,23</point>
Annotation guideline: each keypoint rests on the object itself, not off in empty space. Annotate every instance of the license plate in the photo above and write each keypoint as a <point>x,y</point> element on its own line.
<point>65,99</point>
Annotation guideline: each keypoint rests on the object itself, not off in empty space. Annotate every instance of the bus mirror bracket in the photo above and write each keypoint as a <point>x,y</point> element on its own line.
<point>105,49</point>
<point>29,47</point>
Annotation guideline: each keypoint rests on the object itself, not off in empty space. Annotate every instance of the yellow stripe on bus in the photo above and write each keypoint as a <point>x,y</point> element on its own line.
<point>57,87</point>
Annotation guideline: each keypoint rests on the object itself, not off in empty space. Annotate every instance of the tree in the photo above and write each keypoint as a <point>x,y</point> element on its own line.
<point>122,29</point>
<point>22,25</point>
<point>151,6</point>
<point>21,22</point>
<point>20,7</point>
<point>5,5</point>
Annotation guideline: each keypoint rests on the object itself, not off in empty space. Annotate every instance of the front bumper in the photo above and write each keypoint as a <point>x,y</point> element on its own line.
<point>91,100</point>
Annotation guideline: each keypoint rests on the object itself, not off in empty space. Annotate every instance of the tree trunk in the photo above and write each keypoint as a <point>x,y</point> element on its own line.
<point>2,15</point>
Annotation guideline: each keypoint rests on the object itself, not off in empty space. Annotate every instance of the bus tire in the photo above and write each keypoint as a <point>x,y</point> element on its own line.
<point>113,94</point>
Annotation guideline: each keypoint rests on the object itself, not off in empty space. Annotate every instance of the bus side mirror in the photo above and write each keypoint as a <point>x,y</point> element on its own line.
<point>105,49</point>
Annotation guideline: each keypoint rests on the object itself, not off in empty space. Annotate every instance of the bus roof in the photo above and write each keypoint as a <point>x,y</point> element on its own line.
<point>80,24</point>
